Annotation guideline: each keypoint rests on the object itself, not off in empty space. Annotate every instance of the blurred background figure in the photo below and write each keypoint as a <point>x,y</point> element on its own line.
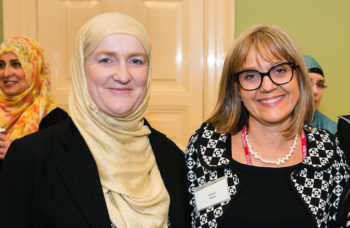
<point>318,85</point>
<point>25,100</point>
<point>343,134</point>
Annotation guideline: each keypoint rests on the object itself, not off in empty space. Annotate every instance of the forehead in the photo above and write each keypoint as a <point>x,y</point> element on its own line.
<point>316,76</point>
<point>8,56</point>
<point>262,56</point>
<point>120,42</point>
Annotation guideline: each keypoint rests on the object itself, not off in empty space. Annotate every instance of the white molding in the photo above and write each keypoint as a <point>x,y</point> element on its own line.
<point>218,38</point>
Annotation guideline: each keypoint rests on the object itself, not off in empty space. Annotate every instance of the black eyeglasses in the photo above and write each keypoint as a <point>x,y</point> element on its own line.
<point>279,74</point>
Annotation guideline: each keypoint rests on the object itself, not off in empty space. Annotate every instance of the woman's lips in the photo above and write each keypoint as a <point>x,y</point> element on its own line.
<point>120,90</point>
<point>271,101</point>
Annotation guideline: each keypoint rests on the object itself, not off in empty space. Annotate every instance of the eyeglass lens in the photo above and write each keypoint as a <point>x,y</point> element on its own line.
<point>279,74</point>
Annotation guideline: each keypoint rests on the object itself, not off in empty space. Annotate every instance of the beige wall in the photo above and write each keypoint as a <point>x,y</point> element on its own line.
<point>322,30</point>
<point>1,21</point>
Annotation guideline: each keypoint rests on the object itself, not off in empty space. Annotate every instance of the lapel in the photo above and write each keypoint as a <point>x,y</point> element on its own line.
<point>79,172</point>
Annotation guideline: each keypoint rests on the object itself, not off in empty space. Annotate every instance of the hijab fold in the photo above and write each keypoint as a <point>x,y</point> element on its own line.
<point>21,114</point>
<point>134,191</point>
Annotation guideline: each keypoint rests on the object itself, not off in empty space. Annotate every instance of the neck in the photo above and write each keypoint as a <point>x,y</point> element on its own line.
<point>269,142</point>
<point>266,133</point>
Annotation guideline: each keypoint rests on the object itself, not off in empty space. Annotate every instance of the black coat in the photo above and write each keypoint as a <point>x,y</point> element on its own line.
<point>50,179</point>
<point>56,116</point>
<point>343,134</point>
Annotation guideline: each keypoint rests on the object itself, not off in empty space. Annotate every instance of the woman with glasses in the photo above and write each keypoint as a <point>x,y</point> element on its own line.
<point>256,162</point>
<point>316,74</point>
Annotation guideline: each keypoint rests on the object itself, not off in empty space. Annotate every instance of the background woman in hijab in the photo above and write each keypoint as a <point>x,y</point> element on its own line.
<point>25,101</point>
<point>317,77</point>
<point>106,165</point>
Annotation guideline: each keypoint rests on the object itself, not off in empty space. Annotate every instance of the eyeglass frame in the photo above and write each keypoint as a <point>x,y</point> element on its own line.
<point>291,64</point>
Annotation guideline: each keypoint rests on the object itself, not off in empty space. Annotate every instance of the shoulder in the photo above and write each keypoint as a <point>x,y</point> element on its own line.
<point>209,147</point>
<point>57,115</point>
<point>344,123</point>
<point>48,139</point>
<point>323,148</point>
<point>207,135</point>
<point>322,121</point>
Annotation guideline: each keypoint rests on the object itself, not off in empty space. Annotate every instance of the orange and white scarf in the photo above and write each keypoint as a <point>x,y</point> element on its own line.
<point>20,115</point>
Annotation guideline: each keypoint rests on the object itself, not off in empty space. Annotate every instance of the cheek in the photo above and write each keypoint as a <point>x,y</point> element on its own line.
<point>141,80</point>
<point>25,82</point>
<point>91,82</point>
<point>248,98</point>
<point>319,95</point>
<point>21,74</point>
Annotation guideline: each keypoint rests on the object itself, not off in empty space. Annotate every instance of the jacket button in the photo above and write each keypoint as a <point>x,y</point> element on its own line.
<point>320,214</point>
<point>296,174</point>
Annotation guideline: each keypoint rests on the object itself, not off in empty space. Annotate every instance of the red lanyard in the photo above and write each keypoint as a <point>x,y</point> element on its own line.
<point>246,150</point>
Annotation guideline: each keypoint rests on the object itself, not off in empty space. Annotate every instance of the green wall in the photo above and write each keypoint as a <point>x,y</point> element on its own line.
<point>322,30</point>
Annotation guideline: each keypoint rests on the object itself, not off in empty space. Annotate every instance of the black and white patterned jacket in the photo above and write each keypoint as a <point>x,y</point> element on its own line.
<point>319,181</point>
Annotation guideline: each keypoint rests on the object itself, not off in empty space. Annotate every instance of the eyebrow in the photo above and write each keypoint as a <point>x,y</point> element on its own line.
<point>256,69</point>
<point>114,53</point>
<point>11,60</point>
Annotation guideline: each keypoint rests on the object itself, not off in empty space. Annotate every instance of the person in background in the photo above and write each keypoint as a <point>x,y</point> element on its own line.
<point>343,135</point>
<point>256,162</point>
<point>26,105</point>
<point>106,166</point>
<point>318,85</point>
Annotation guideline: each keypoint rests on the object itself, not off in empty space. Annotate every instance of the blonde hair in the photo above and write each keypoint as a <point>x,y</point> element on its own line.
<point>230,115</point>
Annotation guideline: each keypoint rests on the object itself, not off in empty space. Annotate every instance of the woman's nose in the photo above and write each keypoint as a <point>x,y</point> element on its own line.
<point>314,88</point>
<point>122,73</point>
<point>5,70</point>
<point>267,85</point>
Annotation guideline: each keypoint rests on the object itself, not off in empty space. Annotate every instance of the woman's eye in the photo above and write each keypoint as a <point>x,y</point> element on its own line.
<point>16,64</point>
<point>249,76</point>
<point>279,70</point>
<point>2,65</point>
<point>136,61</point>
<point>104,60</point>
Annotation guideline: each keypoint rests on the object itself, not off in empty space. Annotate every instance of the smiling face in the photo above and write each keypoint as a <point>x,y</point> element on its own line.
<point>116,74</point>
<point>12,76</point>
<point>270,104</point>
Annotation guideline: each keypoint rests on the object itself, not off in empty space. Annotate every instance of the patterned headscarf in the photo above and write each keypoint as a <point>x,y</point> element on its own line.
<point>21,114</point>
<point>133,188</point>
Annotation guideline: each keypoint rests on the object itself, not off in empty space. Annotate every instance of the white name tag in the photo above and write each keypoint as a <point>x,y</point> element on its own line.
<point>211,193</point>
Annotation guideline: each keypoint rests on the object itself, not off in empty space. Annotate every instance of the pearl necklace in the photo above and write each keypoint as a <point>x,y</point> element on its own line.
<point>280,160</point>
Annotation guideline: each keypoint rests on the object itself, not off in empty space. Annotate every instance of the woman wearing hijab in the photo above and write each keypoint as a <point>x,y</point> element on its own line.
<point>25,100</point>
<point>317,77</point>
<point>256,162</point>
<point>106,166</point>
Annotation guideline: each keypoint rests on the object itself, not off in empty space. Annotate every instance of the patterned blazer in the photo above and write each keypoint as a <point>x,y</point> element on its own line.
<point>319,181</point>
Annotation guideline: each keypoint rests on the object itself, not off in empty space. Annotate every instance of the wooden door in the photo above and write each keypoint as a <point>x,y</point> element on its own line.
<point>189,39</point>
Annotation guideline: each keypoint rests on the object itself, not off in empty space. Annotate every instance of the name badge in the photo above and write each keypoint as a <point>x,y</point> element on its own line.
<point>211,193</point>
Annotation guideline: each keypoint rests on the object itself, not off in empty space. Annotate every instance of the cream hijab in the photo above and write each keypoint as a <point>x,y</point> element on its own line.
<point>133,188</point>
